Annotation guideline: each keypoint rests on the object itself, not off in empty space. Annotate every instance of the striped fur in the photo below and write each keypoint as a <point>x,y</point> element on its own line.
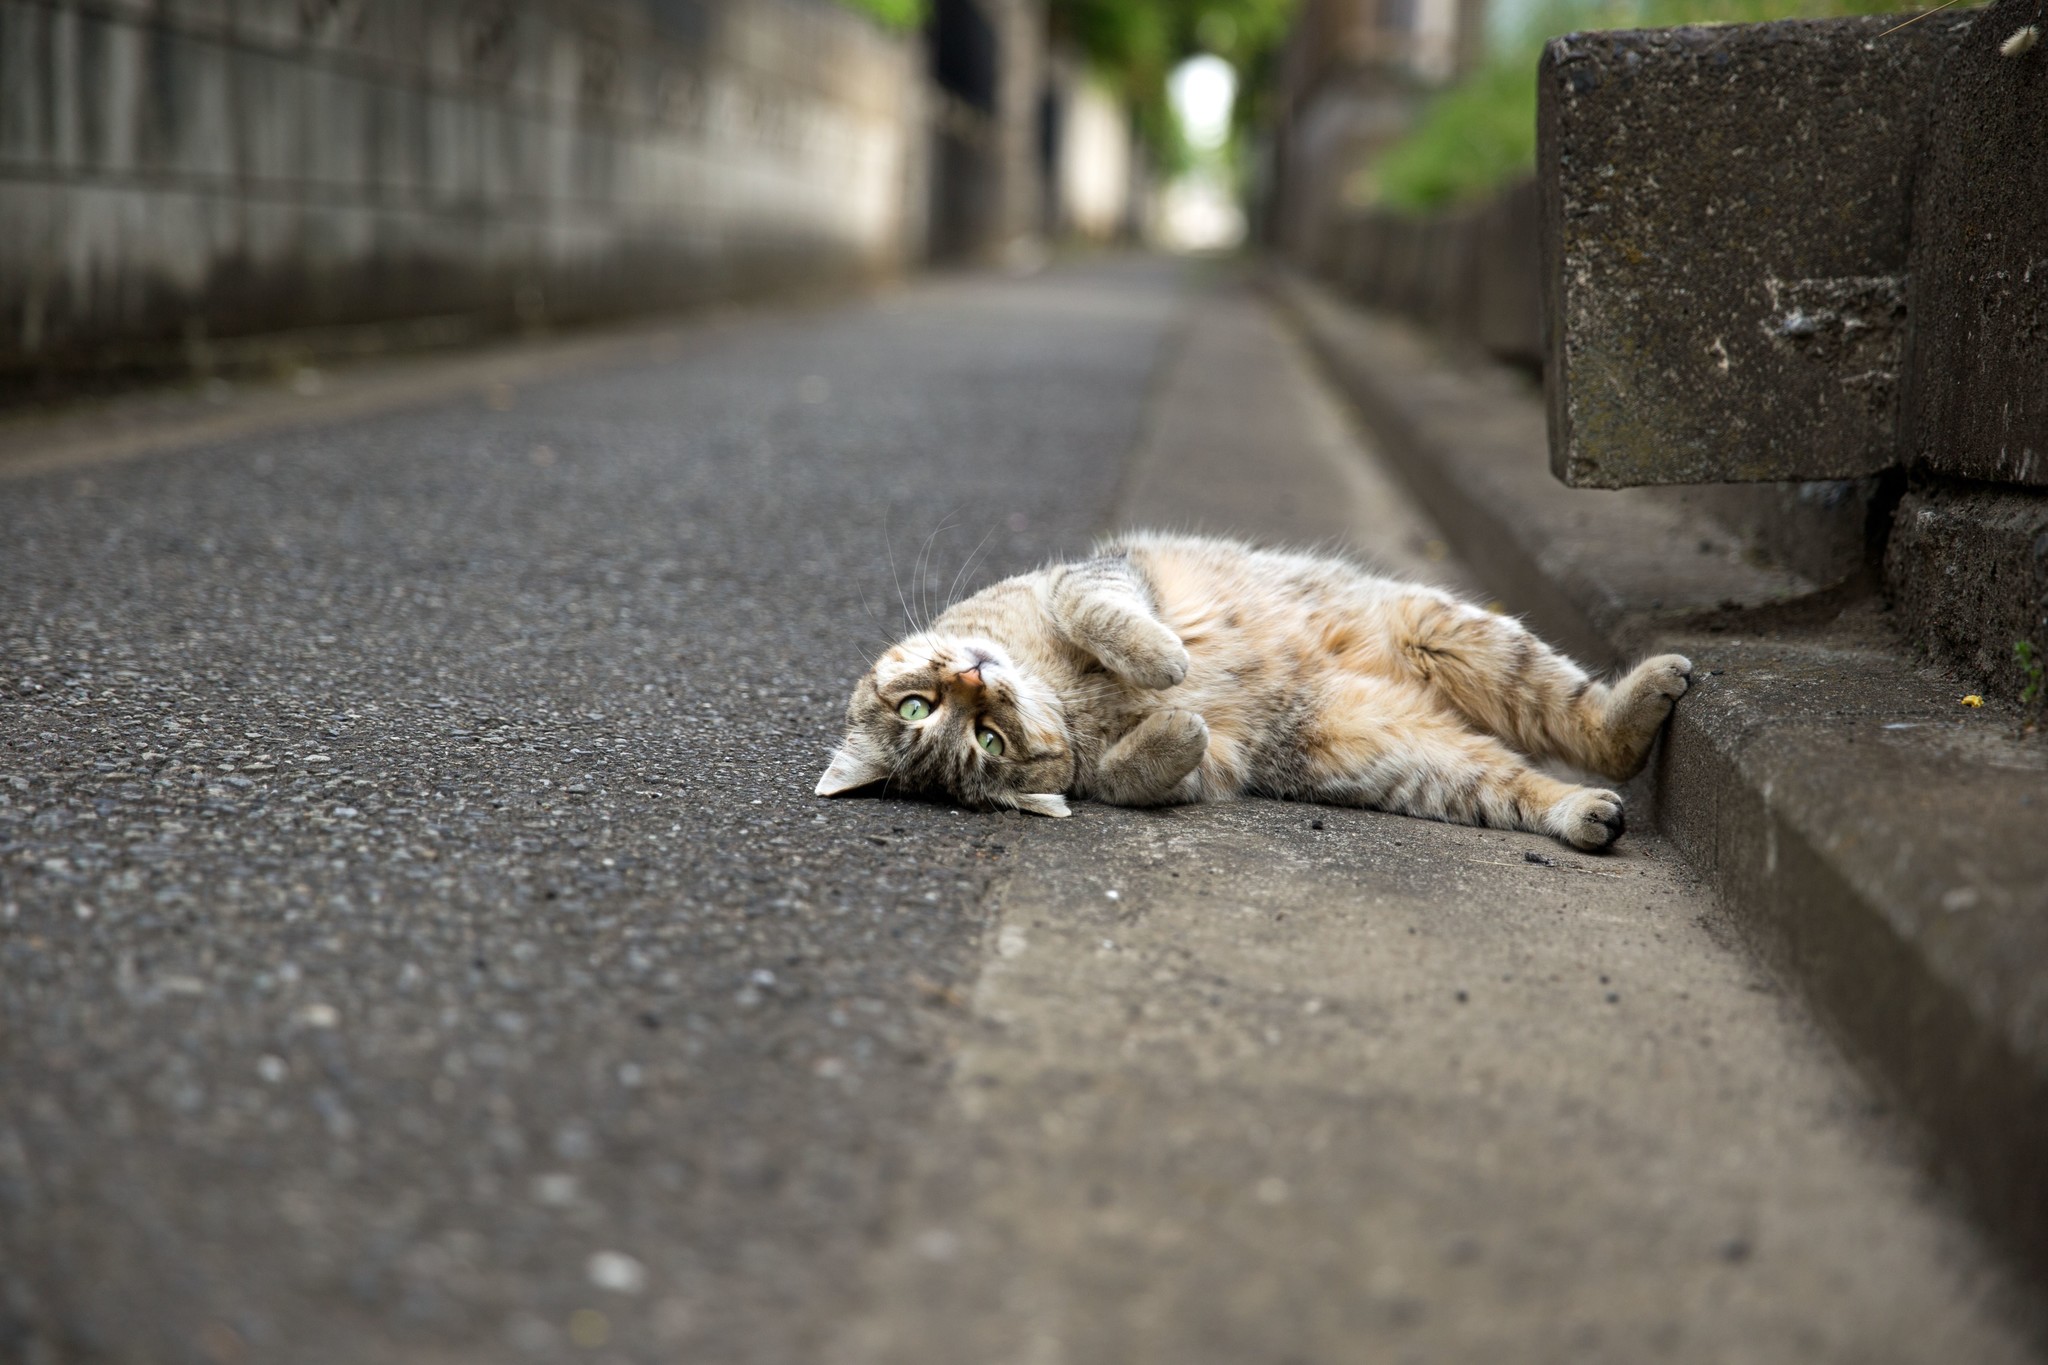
<point>1170,669</point>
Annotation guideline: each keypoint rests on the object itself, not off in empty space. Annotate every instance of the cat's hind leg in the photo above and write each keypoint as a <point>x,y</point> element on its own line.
<point>1492,671</point>
<point>1383,744</point>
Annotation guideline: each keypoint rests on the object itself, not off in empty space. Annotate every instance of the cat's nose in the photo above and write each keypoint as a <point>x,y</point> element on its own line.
<point>970,676</point>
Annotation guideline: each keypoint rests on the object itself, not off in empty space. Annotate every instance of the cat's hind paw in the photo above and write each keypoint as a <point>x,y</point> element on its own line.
<point>1180,740</point>
<point>1637,708</point>
<point>1645,697</point>
<point>1590,818</point>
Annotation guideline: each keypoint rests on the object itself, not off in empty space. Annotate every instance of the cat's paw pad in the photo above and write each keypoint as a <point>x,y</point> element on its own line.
<point>1590,818</point>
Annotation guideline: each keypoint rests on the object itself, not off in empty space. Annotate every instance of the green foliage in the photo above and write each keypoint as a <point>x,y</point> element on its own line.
<point>2031,665</point>
<point>1135,44</point>
<point>1473,137</point>
<point>898,15</point>
<point>1481,133</point>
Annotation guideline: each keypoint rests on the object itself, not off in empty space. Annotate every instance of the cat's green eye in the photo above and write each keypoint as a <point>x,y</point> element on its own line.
<point>913,708</point>
<point>991,743</point>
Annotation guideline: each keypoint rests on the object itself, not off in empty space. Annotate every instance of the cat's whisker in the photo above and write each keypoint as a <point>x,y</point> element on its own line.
<point>921,588</point>
<point>895,769</point>
<point>917,617</point>
<point>889,545</point>
<point>872,655</point>
<point>918,592</point>
<point>953,590</point>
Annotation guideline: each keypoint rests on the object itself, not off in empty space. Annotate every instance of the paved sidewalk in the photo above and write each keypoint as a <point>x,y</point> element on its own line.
<point>418,942</point>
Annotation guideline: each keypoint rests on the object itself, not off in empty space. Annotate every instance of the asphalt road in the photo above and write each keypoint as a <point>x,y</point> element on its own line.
<point>419,941</point>
<point>418,928</point>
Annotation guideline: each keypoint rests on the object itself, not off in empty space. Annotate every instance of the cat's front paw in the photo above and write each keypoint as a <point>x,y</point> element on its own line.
<point>1150,765</point>
<point>1179,740</point>
<point>1590,818</point>
<point>1158,663</point>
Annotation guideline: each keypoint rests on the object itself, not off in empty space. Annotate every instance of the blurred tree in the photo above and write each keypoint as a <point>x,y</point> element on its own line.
<point>897,15</point>
<point>1133,45</point>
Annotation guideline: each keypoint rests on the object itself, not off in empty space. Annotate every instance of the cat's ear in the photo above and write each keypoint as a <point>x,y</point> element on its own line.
<point>850,768</point>
<point>1044,803</point>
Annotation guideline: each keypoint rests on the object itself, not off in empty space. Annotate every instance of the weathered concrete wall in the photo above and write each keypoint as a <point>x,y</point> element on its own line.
<point>1968,567</point>
<point>1847,278</point>
<point>175,170</point>
<point>1843,277</point>
<point>1726,216</point>
<point>1347,84</point>
<point>1976,402</point>
<point>1342,125</point>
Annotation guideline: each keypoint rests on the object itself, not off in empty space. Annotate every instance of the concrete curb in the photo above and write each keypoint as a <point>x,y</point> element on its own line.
<point>1883,845</point>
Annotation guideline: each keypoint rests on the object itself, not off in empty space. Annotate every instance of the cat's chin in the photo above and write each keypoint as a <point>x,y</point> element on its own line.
<point>1043,803</point>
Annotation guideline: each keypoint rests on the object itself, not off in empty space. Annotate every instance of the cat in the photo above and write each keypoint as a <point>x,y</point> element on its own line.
<point>1172,669</point>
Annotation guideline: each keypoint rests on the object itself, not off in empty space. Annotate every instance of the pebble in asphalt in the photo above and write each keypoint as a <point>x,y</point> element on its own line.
<point>416,930</point>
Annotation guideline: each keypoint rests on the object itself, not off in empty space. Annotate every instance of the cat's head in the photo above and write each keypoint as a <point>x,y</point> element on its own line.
<point>954,716</point>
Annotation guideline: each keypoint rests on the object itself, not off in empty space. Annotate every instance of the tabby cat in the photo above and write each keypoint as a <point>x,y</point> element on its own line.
<point>1169,669</point>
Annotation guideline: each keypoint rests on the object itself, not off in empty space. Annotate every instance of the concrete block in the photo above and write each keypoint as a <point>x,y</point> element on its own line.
<point>1977,387</point>
<point>1725,236</point>
<point>334,108</point>
<point>1967,567</point>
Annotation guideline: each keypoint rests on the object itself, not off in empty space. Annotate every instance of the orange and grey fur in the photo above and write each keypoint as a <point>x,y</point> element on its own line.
<point>1172,669</point>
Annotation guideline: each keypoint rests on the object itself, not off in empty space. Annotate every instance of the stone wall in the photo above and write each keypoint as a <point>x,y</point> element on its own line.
<point>175,172</point>
<point>1844,280</point>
